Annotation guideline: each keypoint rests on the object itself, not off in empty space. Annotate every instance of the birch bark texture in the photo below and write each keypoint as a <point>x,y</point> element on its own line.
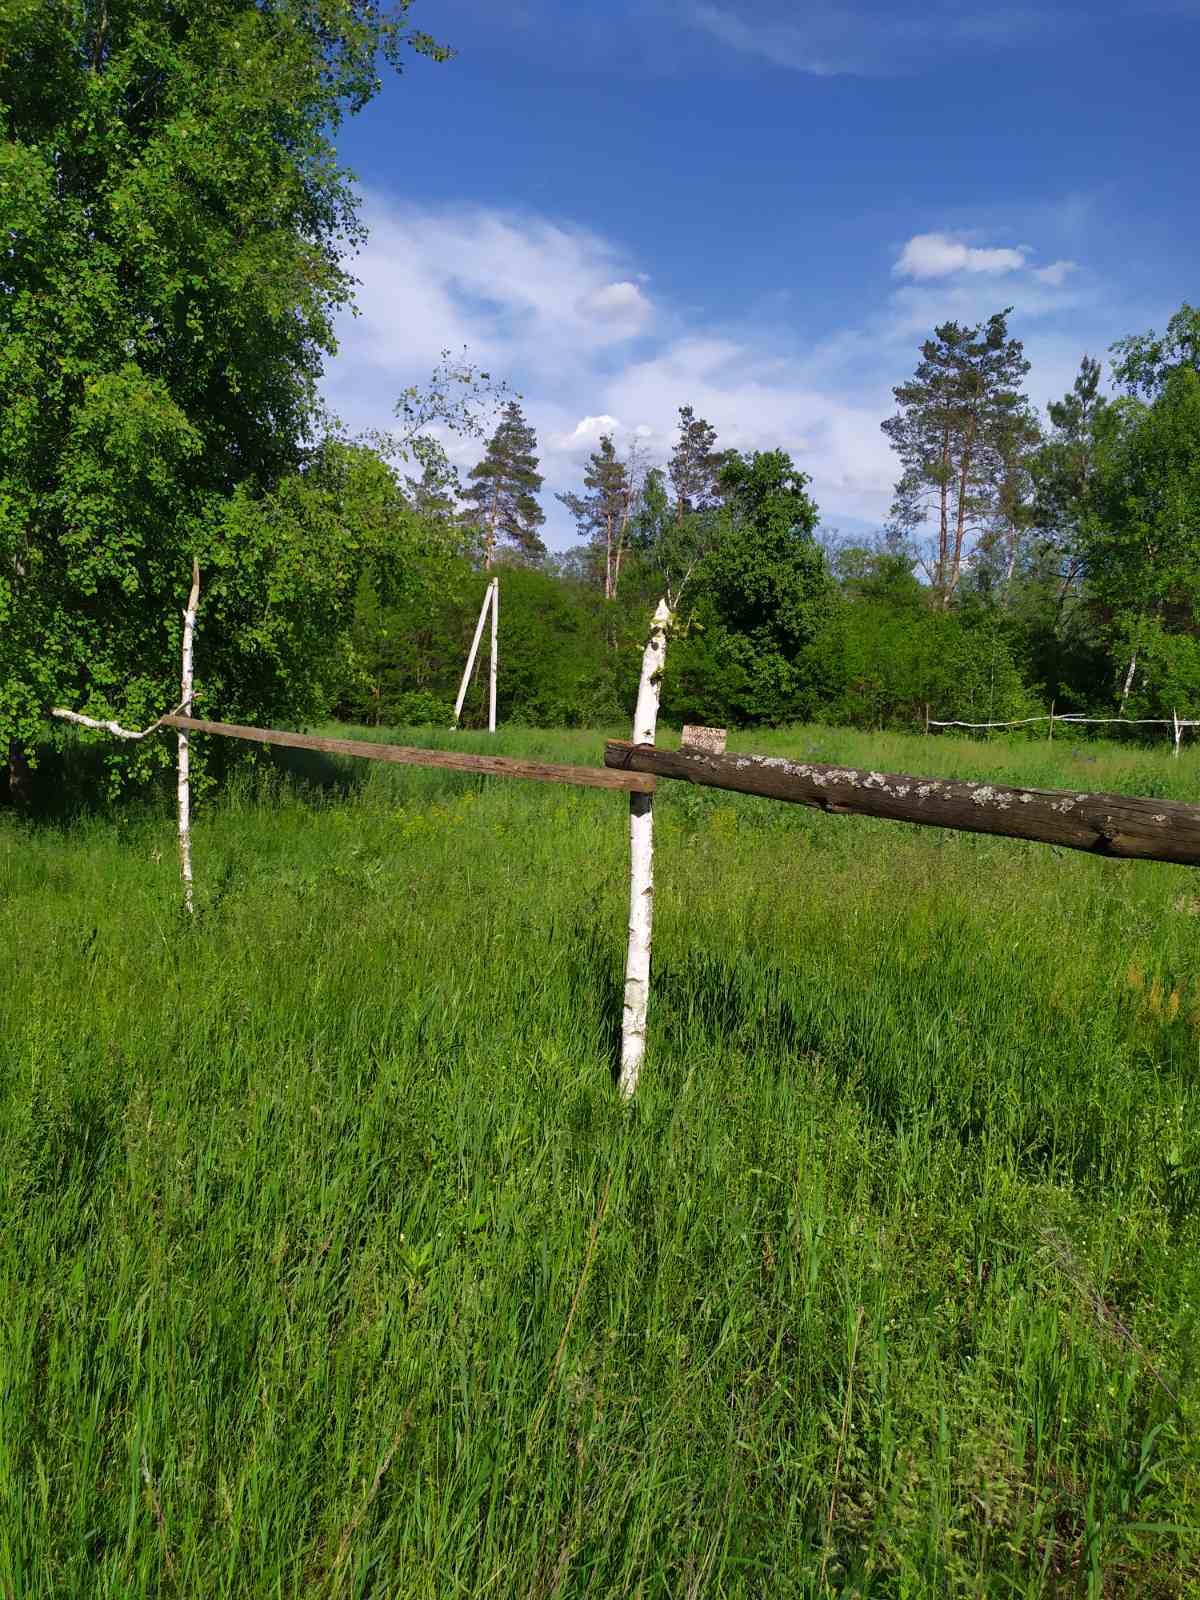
<point>492,658</point>
<point>185,703</point>
<point>641,863</point>
<point>474,651</point>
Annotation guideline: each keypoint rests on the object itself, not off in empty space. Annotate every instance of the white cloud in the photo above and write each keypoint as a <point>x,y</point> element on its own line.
<point>1057,273</point>
<point>940,255</point>
<point>825,38</point>
<point>622,306</point>
<point>586,434</point>
<point>437,278</point>
<point>560,312</point>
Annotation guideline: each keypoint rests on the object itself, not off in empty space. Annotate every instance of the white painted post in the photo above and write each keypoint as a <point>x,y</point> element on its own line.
<point>185,705</point>
<point>470,666</point>
<point>641,863</point>
<point>492,661</point>
<point>1178,731</point>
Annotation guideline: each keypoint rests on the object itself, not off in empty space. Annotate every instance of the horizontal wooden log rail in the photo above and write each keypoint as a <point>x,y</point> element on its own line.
<point>411,756</point>
<point>1117,825</point>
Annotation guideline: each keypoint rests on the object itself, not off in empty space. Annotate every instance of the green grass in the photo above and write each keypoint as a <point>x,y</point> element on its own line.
<point>330,1264</point>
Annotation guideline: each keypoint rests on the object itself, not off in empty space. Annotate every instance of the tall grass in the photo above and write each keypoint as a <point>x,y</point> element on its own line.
<point>332,1266</point>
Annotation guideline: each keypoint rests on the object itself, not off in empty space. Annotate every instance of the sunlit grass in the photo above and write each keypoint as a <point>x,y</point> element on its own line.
<point>331,1264</point>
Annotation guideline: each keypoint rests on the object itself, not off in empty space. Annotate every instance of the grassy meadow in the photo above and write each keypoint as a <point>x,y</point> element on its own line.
<point>332,1266</point>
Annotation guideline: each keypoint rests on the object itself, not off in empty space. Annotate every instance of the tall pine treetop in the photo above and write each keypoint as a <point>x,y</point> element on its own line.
<point>695,466</point>
<point>502,497</point>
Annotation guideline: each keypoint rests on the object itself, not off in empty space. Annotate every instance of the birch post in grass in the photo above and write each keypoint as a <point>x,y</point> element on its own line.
<point>492,659</point>
<point>1178,732</point>
<point>641,863</point>
<point>185,792</point>
<point>470,666</point>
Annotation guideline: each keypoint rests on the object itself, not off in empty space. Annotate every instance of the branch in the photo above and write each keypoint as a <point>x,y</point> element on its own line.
<point>115,728</point>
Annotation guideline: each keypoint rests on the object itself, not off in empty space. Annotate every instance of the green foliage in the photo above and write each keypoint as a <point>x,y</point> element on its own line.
<point>176,233</point>
<point>602,515</point>
<point>502,495</point>
<point>1140,540</point>
<point>330,1264</point>
<point>764,594</point>
<point>960,430</point>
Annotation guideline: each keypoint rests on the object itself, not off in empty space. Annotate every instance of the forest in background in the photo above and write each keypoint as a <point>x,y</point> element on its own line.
<point>179,243</point>
<point>1028,562</point>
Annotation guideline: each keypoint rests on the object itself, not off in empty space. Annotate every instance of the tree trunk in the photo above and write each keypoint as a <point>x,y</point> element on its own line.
<point>960,522</point>
<point>641,863</point>
<point>20,778</point>
<point>943,560</point>
<point>489,546</point>
<point>492,657</point>
<point>183,787</point>
<point>1128,683</point>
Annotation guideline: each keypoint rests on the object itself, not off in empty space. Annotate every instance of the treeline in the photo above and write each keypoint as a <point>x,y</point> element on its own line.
<point>175,263</point>
<point>1027,562</point>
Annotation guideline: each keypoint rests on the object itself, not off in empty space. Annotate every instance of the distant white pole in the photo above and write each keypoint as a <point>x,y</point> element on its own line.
<point>470,667</point>
<point>492,661</point>
<point>641,863</point>
<point>1178,730</point>
<point>185,705</point>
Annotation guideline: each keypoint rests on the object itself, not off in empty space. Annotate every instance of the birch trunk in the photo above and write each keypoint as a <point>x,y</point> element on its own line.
<point>185,695</point>
<point>641,864</point>
<point>474,651</point>
<point>492,660</point>
<point>1128,682</point>
<point>1178,731</point>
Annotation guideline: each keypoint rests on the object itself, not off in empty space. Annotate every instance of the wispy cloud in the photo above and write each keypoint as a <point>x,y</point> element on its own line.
<point>870,40</point>
<point>566,316</point>
<point>1056,274</point>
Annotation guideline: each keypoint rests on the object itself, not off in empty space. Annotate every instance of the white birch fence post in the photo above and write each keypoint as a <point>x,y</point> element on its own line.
<point>185,705</point>
<point>1178,731</point>
<point>641,864</point>
<point>470,666</point>
<point>492,660</point>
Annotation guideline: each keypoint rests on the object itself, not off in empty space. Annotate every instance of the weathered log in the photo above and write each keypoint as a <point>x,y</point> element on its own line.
<point>1117,825</point>
<point>405,755</point>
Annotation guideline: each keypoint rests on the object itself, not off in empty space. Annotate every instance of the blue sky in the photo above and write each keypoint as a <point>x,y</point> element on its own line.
<point>761,208</point>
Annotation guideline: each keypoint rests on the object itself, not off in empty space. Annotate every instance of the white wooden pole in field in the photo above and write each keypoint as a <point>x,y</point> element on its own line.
<point>470,666</point>
<point>1178,730</point>
<point>492,660</point>
<point>641,863</point>
<point>185,705</point>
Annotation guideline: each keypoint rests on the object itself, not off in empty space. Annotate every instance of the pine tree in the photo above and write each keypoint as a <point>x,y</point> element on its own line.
<point>502,498</point>
<point>956,420</point>
<point>602,514</point>
<point>695,466</point>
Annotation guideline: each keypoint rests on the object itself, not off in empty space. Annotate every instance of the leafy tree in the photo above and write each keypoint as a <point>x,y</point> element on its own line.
<point>502,499</point>
<point>957,420</point>
<point>764,594</point>
<point>176,234</point>
<point>1140,539</point>
<point>1064,472</point>
<point>1006,547</point>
